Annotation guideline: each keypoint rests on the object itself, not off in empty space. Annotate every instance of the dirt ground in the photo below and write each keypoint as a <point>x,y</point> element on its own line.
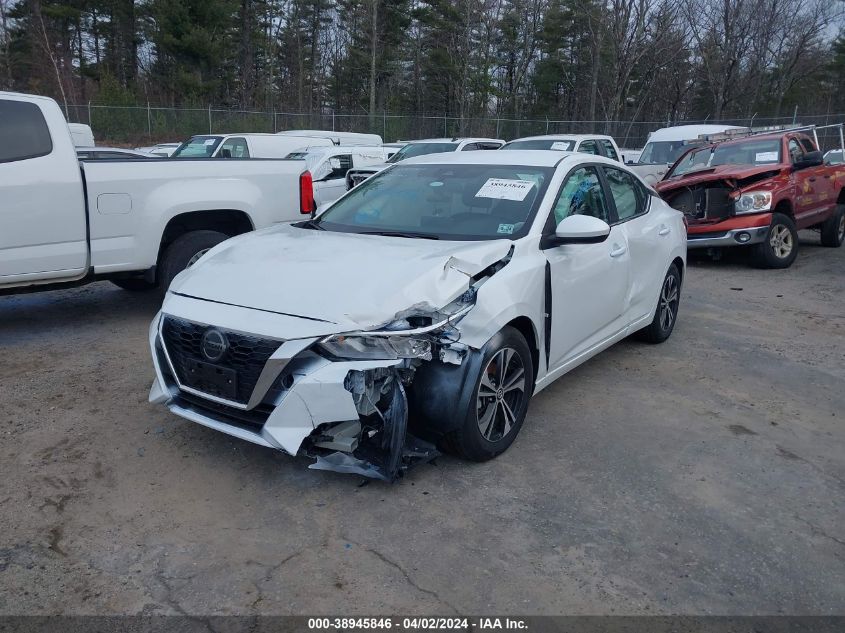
<point>702,476</point>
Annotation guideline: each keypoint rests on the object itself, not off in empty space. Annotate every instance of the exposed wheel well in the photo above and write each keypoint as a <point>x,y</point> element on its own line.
<point>679,264</point>
<point>526,328</point>
<point>226,221</point>
<point>785,207</point>
<point>841,198</point>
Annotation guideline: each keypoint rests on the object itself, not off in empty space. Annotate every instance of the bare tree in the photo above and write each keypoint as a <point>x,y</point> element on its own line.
<point>5,40</point>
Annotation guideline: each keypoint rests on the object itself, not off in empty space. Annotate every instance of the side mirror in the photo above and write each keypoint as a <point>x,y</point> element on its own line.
<point>811,159</point>
<point>581,229</point>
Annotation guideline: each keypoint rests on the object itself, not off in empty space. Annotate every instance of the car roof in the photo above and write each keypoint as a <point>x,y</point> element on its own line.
<point>526,157</point>
<point>562,137</point>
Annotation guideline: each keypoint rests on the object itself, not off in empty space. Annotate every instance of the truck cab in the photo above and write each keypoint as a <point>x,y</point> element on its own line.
<point>758,191</point>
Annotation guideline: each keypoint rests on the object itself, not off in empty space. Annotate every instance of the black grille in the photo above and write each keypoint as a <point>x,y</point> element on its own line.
<point>247,355</point>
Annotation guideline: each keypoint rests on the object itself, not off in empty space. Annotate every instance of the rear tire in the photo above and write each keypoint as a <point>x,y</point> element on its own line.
<point>134,284</point>
<point>499,403</point>
<point>185,251</point>
<point>833,229</point>
<point>666,314</point>
<point>780,247</point>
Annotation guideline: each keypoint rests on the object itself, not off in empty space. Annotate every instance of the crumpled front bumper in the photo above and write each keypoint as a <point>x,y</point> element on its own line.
<point>735,231</point>
<point>282,417</point>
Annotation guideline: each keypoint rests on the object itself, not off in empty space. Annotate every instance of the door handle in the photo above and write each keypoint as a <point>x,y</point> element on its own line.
<point>812,179</point>
<point>618,250</point>
<point>664,230</point>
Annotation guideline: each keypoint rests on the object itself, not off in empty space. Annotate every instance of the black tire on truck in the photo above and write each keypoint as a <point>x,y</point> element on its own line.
<point>184,251</point>
<point>780,248</point>
<point>833,229</point>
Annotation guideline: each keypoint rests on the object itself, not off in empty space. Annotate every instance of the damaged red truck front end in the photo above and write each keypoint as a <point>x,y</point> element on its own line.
<point>757,192</point>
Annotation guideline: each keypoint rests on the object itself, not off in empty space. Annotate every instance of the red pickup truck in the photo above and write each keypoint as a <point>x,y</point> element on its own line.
<point>758,191</point>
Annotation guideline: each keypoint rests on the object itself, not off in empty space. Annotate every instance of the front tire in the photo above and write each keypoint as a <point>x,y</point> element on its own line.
<point>833,229</point>
<point>185,251</point>
<point>780,248</point>
<point>500,399</point>
<point>666,314</point>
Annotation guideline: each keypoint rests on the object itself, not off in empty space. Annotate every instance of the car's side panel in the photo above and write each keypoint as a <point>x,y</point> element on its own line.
<point>589,285</point>
<point>653,239</point>
<point>266,191</point>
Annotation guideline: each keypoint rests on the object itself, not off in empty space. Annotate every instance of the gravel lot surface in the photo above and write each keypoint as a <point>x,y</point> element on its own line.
<point>702,476</point>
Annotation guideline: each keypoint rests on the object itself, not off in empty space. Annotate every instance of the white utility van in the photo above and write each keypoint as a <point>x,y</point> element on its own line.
<point>245,146</point>
<point>81,134</point>
<point>666,145</point>
<point>338,138</point>
<point>329,165</point>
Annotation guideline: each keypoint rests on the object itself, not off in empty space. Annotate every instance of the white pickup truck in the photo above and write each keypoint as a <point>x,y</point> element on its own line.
<point>136,223</point>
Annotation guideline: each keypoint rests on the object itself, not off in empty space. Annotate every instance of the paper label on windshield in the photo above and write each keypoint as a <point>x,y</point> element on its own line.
<point>506,228</point>
<point>505,189</point>
<point>210,141</point>
<point>562,146</point>
<point>765,157</point>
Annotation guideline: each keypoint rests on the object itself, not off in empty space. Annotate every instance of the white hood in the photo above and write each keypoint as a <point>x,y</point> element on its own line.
<point>354,281</point>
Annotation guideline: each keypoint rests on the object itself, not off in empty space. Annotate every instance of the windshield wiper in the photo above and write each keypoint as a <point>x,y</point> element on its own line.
<point>310,224</point>
<point>424,236</point>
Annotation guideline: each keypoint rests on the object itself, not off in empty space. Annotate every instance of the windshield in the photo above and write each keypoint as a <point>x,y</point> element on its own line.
<point>565,145</point>
<point>421,149</point>
<point>198,147</point>
<point>762,152</point>
<point>664,152</point>
<point>452,202</point>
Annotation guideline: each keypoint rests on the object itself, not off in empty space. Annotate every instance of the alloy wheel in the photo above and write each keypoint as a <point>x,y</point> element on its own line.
<point>501,394</point>
<point>669,299</point>
<point>841,232</point>
<point>780,241</point>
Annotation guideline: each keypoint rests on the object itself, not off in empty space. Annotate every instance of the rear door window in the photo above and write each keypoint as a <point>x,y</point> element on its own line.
<point>628,194</point>
<point>609,151</point>
<point>23,131</point>
<point>589,147</point>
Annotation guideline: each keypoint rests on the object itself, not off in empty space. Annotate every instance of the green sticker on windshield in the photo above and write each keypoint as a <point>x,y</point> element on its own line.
<point>506,228</point>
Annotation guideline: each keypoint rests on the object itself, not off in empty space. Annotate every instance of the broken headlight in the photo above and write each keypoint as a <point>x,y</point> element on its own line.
<point>356,347</point>
<point>753,202</point>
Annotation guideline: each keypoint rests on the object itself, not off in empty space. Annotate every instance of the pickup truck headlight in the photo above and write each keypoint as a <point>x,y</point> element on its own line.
<point>753,202</point>
<point>377,347</point>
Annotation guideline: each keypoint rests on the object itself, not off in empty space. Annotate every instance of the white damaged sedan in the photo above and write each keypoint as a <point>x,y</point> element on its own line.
<point>422,310</point>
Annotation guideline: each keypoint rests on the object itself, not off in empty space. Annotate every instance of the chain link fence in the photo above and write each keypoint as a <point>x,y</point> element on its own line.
<point>142,125</point>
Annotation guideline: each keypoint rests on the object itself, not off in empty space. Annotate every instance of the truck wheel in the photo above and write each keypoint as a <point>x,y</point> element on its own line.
<point>780,248</point>
<point>500,399</point>
<point>666,313</point>
<point>185,251</point>
<point>134,284</point>
<point>833,230</point>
